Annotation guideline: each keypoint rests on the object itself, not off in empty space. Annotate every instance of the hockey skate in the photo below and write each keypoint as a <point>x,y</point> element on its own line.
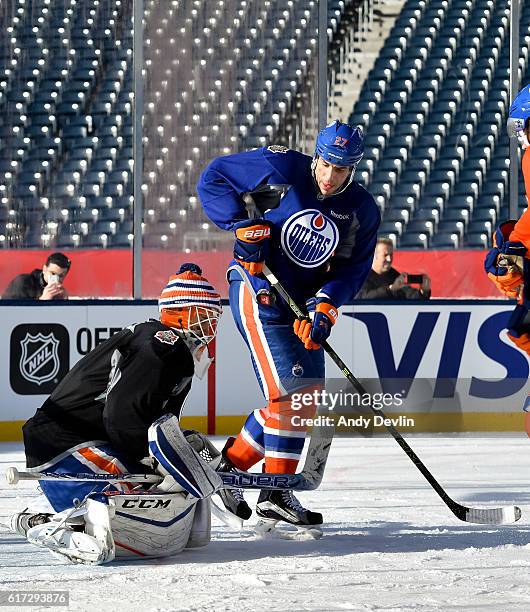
<point>45,530</point>
<point>232,499</point>
<point>276,506</point>
<point>81,534</point>
<point>22,522</point>
<point>76,546</point>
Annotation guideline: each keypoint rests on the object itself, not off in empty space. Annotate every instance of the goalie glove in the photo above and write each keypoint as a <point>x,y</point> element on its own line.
<point>252,244</point>
<point>501,261</point>
<point>315,329</point>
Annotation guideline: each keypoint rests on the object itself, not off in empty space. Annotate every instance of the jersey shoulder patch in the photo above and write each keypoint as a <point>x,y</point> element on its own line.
<point>167,336</point>
<point>277,149</point>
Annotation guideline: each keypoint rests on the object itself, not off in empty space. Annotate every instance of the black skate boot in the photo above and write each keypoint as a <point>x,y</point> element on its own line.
<point>275,506</point>
<point>232,499</point>
<point>22,522</point>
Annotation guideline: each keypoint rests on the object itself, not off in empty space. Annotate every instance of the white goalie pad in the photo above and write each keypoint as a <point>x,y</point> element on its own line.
<point>126,526</point>
<point>150,524</point>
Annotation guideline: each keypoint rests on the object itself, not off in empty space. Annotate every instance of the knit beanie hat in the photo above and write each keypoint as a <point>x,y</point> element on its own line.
<point>189,288</point>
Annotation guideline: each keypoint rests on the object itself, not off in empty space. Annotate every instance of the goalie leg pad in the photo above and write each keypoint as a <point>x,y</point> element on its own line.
<point>126,526</point>
<point>151,525</point>
<point>200,533</point>
<point>178,459</point>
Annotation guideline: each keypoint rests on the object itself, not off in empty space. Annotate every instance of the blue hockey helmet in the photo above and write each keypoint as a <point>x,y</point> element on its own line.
<point>519,112</point>
<point>340,144</point>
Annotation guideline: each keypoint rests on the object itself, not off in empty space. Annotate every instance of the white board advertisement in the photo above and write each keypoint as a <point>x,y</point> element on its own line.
<point>463,342</point>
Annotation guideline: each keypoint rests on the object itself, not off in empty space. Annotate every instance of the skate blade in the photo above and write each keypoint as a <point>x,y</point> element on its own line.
<point>267,528</point>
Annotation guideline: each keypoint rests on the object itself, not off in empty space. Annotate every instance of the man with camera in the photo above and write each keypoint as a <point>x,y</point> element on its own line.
<point>385,283</point>
<point>41,284</point>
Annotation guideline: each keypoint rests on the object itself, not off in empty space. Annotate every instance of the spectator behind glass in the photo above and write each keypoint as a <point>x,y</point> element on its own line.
<point>385,283</point>
<point>45,284</point>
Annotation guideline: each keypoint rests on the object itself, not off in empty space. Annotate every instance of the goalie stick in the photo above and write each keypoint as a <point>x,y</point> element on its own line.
<point>257,203</point>
<point>308,479</point>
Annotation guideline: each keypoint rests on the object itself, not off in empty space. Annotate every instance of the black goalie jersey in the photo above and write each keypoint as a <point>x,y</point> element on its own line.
<point>113,394</point>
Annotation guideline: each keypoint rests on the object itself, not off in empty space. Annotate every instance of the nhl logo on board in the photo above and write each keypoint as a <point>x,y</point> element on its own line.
<point>39,357</point>
<point>309,238</point>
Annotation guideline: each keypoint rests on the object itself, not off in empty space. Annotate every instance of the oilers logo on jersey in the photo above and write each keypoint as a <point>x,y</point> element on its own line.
<point>309,238</point>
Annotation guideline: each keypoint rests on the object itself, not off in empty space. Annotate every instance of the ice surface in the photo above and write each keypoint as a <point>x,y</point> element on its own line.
<point>389,543</point>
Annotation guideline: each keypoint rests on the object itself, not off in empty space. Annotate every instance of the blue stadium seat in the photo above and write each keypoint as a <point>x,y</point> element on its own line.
<point>414,241</point>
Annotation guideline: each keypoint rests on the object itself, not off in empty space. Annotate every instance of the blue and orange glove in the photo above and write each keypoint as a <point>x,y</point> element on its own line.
<point>518,328</point>
<point>522,342</point>
<point>313,330</point>
<point>252,244</point>
<point>507,278</point>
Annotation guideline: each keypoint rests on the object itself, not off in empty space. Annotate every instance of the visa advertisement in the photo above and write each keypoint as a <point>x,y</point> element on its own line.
<point>450,360</point>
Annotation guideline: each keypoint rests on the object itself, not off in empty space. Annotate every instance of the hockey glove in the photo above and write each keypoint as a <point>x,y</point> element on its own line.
<point>522,342</point>
<point>314,330</point>
<point>519,327</point>
<point>500,263</point>
<point>252,244</point>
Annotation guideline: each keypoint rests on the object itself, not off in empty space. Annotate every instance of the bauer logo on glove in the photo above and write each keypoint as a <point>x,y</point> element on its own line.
<point>253,235</point>
<point>252,244</point>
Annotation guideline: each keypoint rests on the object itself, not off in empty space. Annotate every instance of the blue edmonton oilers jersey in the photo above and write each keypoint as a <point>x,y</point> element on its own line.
<point>319,245</point>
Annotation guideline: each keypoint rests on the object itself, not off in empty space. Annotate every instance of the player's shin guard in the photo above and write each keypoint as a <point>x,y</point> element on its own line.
<point>247,449</point>
<point>177,459</point>
<point>283,439</point>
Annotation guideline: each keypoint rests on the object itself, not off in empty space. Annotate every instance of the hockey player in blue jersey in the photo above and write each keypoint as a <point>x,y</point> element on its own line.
<point>319,240</point>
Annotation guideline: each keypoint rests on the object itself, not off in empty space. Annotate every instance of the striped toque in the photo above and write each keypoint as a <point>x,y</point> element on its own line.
<point>189,288</point>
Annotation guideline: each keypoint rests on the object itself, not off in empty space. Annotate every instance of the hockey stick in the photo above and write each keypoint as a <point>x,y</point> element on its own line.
<point>487,516</point>
<point>308,479</point>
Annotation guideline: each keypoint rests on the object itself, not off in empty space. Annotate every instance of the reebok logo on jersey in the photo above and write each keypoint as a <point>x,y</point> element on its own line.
<point>167,337</point>
<point>342,217</point>
<point>309,238</point>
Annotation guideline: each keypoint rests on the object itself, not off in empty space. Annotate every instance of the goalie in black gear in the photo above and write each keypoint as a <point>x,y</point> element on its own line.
<point>119,405</point>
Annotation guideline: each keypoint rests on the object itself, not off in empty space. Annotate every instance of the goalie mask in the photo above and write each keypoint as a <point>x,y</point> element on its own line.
<point>191,306</point>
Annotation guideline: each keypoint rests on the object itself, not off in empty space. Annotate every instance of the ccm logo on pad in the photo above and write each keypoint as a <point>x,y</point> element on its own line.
<point>146,503</point>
